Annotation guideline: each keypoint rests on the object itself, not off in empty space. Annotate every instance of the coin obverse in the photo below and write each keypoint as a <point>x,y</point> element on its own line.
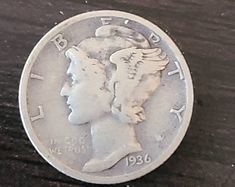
<point>106,97</point>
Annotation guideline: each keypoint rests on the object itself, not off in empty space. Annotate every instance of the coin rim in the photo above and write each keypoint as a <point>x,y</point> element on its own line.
<point>41,149</point>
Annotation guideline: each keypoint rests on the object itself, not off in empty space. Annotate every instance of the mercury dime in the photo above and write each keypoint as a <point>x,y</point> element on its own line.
<point>106,97</point>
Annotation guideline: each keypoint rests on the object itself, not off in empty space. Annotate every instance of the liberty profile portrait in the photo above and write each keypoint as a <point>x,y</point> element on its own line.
<point>112,75</point>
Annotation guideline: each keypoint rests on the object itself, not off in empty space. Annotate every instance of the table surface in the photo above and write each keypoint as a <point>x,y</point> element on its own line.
<point>204,30</point>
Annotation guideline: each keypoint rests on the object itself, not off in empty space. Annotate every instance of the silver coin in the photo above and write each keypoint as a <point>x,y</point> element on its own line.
<point>106,97</point>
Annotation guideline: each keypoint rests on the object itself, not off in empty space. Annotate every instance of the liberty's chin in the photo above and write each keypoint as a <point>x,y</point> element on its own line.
<point>81,117</point>
<point>76,119</point>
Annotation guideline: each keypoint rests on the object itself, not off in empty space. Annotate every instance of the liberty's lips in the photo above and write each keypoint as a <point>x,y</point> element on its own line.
<point>69,103</point>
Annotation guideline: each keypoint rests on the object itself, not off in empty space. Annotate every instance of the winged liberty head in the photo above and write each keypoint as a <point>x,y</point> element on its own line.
<point>113,74</point>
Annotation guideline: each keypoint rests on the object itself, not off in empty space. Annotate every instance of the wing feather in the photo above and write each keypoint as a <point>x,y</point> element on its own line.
<point>136,77</point>
<point>140,61</point>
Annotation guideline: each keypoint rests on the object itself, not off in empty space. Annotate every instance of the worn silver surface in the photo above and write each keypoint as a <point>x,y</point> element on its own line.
<point>106,97</point>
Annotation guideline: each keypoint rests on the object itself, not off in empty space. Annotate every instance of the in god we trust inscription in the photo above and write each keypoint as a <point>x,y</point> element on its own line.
<point>106,97</point>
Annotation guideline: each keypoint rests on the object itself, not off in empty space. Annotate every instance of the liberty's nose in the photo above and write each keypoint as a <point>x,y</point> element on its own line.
<point>65,91</point>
